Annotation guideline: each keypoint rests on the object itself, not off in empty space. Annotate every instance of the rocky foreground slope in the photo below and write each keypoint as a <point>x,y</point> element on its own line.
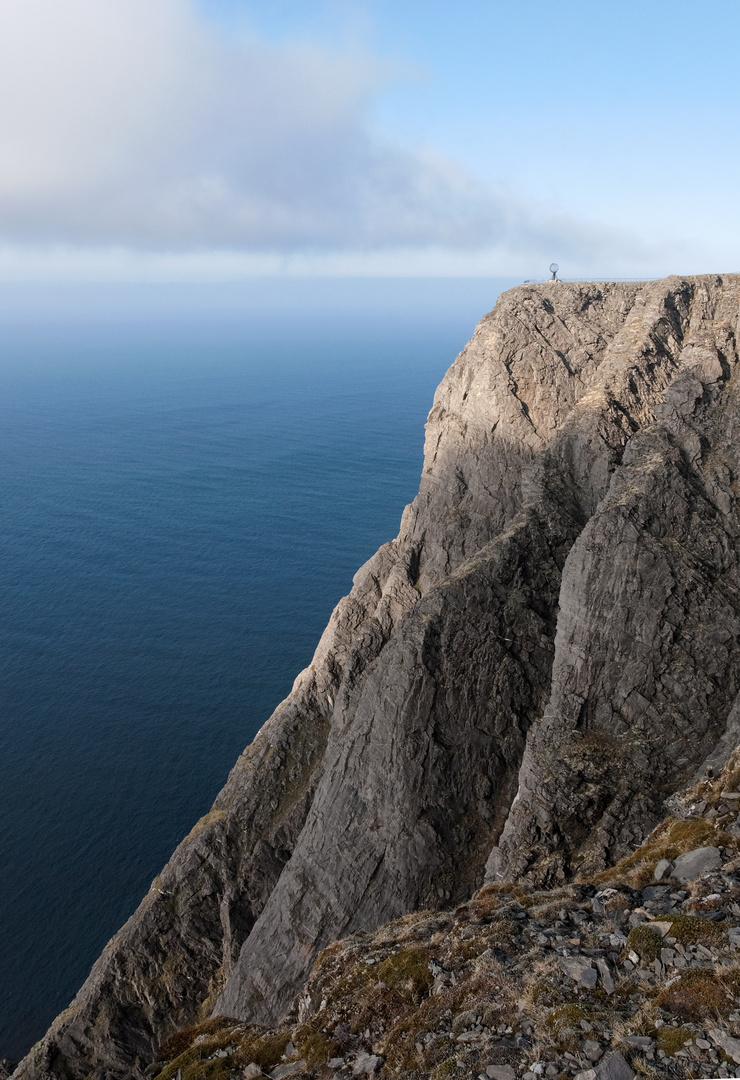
<point>634,972</point>
<point>513,687</point>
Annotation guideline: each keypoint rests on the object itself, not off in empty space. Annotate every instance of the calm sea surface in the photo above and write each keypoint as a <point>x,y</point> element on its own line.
<point>181,505</point>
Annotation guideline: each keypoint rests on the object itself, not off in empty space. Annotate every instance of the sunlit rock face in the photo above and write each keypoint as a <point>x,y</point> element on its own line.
<point>547,651</point>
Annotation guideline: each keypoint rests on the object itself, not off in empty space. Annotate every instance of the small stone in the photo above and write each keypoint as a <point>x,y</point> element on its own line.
<point>734,935</point>
<point>587,1074</point>
<point>283,1071</point>
<point>639,1042</point>
<point>614,1068</point>
<point>576,967</point>
<point>661,869</point>
<point>607,981</point>
<point>730,1046</point>
<point>366,1064</point>
<point>695,863</point>
<point>335,1063</point>
<point>464,1020</point>
<point>252,1071</point>
<point>592,1049</point>
<point>500,1072</point>
<point>661,927</point>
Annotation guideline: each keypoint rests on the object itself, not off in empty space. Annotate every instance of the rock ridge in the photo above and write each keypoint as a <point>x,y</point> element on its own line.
<point>513,686</point>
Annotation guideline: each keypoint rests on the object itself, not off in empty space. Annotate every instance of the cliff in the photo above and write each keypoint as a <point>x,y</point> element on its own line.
<point>513,687</point>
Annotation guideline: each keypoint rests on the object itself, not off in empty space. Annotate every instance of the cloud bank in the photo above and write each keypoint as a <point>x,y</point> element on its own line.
<point>133,123</point>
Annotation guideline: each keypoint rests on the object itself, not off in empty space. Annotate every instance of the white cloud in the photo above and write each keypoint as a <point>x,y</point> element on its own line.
<point>132,123</point>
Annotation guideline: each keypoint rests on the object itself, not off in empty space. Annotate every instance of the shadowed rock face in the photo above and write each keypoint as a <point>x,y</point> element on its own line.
<point>548,649</point>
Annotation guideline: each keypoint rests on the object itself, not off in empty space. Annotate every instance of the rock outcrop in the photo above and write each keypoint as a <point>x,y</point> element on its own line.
<point>547,651</point>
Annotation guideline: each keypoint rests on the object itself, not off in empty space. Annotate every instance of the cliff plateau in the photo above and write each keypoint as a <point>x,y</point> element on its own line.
<point>515,684</point>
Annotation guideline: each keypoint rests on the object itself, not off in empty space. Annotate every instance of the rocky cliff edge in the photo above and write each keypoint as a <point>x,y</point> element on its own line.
<point>547,651</point>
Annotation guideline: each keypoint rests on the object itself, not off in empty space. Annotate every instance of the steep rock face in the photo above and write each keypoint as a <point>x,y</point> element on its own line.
<point>546,651</point>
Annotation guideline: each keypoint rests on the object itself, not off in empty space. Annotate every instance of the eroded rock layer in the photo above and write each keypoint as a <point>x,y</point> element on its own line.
<point>514,685</point>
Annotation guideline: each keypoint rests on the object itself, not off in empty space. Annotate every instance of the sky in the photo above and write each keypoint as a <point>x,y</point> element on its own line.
<point>218,139</point>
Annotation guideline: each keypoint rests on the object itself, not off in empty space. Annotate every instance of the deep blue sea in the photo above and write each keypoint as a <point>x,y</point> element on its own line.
<point>187,487</point>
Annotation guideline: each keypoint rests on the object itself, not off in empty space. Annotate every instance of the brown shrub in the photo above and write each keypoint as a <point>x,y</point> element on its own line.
<point>696,995</point>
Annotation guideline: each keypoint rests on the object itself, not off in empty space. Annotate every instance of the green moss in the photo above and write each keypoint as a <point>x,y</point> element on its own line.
<point>669,840</point>
<point>244,1045</point>
<point>645,942</point>
<point>267,1050</point>
<point>446,1070</point>
<point>563,1025</point>
<point>407,972</point>
<point>670,1039</point>
<point>317,1048</point>
<point>690,930</point>
<point>181,1041</point>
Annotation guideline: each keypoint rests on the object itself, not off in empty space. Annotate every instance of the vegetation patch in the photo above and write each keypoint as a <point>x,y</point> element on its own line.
<point>316,1048</point>
<point>696,995</point>
<point>691,930</point>
<point>181,1041</point>
<point>645,942</point>
<point>670,1039</point>
<point>407,972</point>
<point>563,1025</point>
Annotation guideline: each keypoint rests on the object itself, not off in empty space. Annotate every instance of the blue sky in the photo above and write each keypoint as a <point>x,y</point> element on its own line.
<point>207,139</point>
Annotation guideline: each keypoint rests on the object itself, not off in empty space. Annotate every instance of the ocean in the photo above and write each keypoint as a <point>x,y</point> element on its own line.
<point>190,479</point>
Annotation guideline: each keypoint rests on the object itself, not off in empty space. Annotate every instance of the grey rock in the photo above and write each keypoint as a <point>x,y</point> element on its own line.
<point>335,1063</point>
<point>660,927</point>
<point>695,863</point>
<point>662,869</point>
<point>463,1020</point>
<point>579,968</point>
<point>592,1049</point>
<point>726,1042</point>
<point>655,892</point>
<point>281,1072</point>
<point>563,589</point>
<point>500,1072</point>
<point>614,1067</point>
<point>639,1042</point>
<point>606,976</point>
<point>252,1071</point>
<point>366,1064</point>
